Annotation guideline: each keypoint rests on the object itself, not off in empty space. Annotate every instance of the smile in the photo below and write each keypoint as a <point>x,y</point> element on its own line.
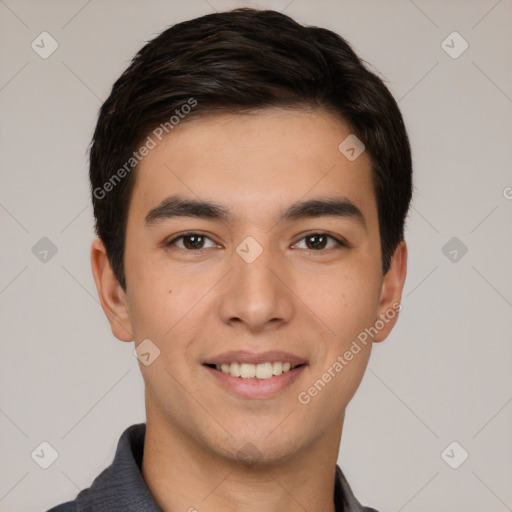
<point>255,375</point>
<point>265,370</point>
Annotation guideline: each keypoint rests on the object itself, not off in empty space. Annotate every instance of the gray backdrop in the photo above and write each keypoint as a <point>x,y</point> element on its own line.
<point>444,375</point>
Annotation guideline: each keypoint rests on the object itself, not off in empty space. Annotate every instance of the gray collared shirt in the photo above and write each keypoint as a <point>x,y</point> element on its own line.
<point>121,487</point>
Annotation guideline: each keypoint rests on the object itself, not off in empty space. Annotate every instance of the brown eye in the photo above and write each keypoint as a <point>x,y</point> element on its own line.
<point>320,241</point>
<point>191,242</point>
<point>316,241</point>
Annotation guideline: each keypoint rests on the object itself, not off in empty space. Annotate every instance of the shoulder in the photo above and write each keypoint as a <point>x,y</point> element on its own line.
<point>119,487</point>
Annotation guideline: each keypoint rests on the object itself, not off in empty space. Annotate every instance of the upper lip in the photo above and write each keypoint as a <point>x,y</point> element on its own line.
<point>244,356</point>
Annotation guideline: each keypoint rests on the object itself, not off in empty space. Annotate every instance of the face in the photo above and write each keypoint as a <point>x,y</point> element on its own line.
<point>253,264</point>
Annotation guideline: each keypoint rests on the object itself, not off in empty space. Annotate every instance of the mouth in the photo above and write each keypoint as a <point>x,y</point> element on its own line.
<point>255,376</point>
<point>261,371</point>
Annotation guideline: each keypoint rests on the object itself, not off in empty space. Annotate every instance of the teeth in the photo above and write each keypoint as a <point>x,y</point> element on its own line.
<point>264,371</point>
<point>277,368</point>
<point>247,371</point>
<point>234,369</point>
<point>259,371</point>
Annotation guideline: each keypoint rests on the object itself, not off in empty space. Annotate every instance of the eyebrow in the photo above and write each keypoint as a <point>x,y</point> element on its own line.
<point>177,206</point>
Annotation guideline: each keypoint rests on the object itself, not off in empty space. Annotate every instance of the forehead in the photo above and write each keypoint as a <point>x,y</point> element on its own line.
<point>255,163</point>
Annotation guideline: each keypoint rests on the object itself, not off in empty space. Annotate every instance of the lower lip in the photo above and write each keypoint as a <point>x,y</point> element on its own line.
<point>256,388</point>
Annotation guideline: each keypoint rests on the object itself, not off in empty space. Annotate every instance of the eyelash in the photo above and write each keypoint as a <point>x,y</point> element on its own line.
<point>340,242</point>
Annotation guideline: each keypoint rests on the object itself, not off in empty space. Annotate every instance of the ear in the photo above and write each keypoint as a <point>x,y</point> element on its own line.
<point>112,297</point>
<point>391,292</point>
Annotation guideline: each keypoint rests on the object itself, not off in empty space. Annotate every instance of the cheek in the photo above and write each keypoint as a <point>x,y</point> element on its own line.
<point>349,303</point>
<point>344,302</point>
<point>334,386</point>
<point>166,302</point>
<point>153,300</point>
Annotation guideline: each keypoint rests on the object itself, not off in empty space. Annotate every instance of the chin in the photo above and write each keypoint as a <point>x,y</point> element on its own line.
<point>259,451</point>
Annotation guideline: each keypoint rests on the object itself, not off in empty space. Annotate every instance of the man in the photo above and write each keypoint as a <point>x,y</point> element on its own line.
<point>250,181</point>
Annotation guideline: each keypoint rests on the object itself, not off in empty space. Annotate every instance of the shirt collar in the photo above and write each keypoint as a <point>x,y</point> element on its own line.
<point>121,486</point>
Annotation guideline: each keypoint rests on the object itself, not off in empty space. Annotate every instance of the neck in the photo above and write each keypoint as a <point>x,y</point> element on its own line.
<point>184,475</point>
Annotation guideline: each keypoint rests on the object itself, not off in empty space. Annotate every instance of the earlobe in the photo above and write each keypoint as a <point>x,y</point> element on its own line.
<point>112,297</point>
<point>391,292</point>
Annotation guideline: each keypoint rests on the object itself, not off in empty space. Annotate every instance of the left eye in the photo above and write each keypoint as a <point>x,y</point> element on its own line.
<point>319,241</point>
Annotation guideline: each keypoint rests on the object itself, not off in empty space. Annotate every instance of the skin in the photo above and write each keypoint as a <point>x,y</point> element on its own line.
<point>195,304</point>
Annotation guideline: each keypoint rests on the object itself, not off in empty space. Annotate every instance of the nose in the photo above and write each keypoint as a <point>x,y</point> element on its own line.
<point>257,295</point>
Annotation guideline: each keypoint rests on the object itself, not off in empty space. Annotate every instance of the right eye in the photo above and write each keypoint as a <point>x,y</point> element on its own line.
<point>190,241</point>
